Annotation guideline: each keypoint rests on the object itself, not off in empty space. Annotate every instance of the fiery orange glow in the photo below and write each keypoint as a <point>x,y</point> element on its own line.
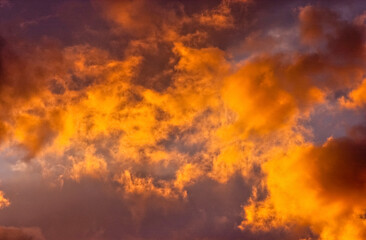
<point>207,120</point>
<point>3,201</point>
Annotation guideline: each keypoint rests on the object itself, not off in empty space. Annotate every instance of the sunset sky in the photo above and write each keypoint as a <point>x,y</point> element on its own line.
<point>182,120</point>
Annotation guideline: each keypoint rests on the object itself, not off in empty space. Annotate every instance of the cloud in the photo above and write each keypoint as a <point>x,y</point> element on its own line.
<point>155,128</point>
<point>14,233</point>
<point>356,98</point>
<point>152,18</point>
<point>309,179</point>
<point>3,201</point>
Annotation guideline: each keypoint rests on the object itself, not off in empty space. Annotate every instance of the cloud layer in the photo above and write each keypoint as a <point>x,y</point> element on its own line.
<point>232,119</point>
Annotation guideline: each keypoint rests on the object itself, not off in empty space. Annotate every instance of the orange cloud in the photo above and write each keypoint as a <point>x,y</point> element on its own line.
<point>356,98</point>
<point>171,110</point>
<point>152,18</point>
<point>14,233</point>
<point>92,166</point>
<point>3,201</point>
<point>308,180</point>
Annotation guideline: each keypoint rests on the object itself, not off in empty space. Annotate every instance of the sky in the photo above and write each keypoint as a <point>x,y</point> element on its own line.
<point>182,120</point>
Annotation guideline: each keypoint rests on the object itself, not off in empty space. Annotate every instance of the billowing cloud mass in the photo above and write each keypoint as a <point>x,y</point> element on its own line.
<point>206,120</point>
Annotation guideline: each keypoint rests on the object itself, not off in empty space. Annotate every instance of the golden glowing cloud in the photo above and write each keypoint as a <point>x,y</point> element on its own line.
<point>306,180</point>
<point>170,107</point>
<point>3,201</point>
<point>357,97</point>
